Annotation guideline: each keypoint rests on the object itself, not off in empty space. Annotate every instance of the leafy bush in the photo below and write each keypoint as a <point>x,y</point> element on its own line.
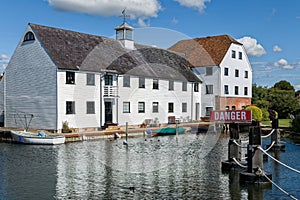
<point>296,124</point>
<point>256,112</point>
<point>265,114</point>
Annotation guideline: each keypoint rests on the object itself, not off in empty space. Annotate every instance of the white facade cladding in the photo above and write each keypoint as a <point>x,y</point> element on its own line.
<point>210,89</point>
<point>80,93</point>
<point>138,104</point>
<point>239,73</point>
<point>30,87</point>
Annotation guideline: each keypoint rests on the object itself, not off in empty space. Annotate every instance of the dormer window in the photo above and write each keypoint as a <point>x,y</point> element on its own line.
<point>124,32</point>
<point>129,34</point>
<point>29,36</point>
<point>120,35</point>
<point>70,77</point>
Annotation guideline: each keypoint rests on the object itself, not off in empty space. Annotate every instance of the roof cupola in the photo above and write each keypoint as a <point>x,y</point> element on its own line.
<point>124,33</point>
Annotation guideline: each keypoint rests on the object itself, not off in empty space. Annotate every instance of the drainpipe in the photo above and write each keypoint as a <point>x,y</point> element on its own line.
<point>192,102</point>
<point>4,101</point>
<point>117,102</point>
<point>101,96</point>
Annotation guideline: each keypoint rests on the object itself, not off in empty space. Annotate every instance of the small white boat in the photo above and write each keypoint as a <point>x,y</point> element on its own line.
<point>32,138</point>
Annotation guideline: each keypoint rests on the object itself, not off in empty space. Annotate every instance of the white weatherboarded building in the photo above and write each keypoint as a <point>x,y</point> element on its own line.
<point>57,76</point>
<point>222,63</point>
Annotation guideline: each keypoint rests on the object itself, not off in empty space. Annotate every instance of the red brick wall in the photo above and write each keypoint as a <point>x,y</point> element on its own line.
<point>233,101</point>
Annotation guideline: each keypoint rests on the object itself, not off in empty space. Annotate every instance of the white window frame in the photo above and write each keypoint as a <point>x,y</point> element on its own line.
<point>126,107</point>
<point>90,107</point>
<point>141,107</point>
<point>90,79</point>
<point>155,107</point>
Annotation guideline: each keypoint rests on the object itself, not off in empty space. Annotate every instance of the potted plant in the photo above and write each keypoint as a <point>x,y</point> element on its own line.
<point>143,125</point>
<point>65,127</point>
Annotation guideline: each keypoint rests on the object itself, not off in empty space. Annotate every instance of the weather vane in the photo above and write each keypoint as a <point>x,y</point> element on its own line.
<point>124,15</point>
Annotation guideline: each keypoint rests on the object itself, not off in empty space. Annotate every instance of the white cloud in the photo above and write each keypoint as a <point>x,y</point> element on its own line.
<point>297,86</point>
<point>2,68</point>
<point>276,48</point>
<point>135,8</point>
<point>4,57</point>
<point>283,63</point>
<point>288,67</point>
<point>143,22</point>
<point>252,47</point>
<point>280,62</point>
<point>197,4</point>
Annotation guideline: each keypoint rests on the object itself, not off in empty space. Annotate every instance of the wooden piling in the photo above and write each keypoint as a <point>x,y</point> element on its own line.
<point>275,137</point>
<point>234,149</point>
<point>254,158</point>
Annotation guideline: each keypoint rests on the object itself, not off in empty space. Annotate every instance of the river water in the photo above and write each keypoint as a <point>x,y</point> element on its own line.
<point>188,167</point>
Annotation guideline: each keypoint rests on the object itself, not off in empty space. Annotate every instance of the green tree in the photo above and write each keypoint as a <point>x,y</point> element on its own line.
<point>284,85</point>
<point>296,124</point>
<point>283,101</point>
<point>297,93</point>
<point>281,97</point>
<point>259,95</point>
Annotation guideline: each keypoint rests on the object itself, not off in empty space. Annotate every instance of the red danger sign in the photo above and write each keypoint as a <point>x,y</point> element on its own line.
<point>231,115</point>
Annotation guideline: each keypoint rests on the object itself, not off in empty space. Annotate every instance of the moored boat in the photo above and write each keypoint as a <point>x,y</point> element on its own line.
<point>32,138</point>
<point>169,131</point>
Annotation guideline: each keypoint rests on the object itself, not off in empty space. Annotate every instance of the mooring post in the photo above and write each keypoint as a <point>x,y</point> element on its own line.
<point>125,142</point>
<point>249,157</point>
<point>126,131</point>
<point>255,141</point>
<point>275,137</point>
<point>176,129</point>
<point>254,157</point>
<point>234,148</point>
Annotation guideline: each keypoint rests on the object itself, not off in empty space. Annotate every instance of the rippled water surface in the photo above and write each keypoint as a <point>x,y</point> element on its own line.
<point>188,167</point>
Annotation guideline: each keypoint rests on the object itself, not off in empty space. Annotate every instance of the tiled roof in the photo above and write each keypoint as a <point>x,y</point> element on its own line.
<point>66,48</point>
<point>208,51</point>
<point>77,51</point>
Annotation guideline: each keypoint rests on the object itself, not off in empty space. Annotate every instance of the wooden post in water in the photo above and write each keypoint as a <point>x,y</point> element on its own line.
<point>275,137</point>
<point>234,151</point>
<point>125,142</point>
<point>254,158</point>
<point>176,128</point>
<point>126,131</point>
<point>234,148</point>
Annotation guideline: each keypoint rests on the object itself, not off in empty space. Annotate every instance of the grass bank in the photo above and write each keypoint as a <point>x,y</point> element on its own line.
<point>282,123</point>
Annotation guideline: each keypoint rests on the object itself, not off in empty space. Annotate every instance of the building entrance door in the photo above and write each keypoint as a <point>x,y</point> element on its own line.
<point>108,112</point>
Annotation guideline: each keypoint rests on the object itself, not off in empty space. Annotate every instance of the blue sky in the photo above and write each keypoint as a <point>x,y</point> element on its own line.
<point>269,29</point>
